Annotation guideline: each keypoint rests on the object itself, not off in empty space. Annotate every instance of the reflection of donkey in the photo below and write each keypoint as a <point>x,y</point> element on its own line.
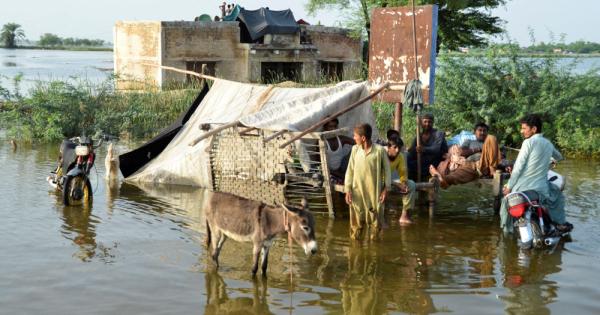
<point>251,221</point>
<point>218,300</point>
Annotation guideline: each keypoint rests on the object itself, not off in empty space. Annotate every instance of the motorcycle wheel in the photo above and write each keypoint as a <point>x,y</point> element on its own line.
<point>77,190</point>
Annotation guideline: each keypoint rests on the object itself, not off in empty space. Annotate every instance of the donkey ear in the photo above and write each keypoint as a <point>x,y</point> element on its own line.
<point>289,209</point>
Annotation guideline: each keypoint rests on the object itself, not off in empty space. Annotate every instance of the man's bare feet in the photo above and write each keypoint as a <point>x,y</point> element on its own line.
<point>405,219</point>
<point>433,171</point>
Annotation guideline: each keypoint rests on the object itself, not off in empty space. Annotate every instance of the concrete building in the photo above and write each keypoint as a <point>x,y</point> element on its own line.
<point>312,54</point>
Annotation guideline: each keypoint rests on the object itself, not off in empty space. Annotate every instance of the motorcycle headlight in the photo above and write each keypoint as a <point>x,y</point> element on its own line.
<point>82,150</point>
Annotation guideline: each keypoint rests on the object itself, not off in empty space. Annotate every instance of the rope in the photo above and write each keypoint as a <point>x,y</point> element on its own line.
<point>286,224</point>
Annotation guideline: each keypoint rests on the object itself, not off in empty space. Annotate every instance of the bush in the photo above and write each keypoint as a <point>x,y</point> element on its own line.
<point>500,87</point>
<point>58,109</point>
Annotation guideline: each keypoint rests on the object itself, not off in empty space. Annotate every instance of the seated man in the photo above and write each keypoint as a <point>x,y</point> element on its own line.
<point>338,151</point>
<point>432,148</point>
<point>474,159</point>
<point>406,186</point>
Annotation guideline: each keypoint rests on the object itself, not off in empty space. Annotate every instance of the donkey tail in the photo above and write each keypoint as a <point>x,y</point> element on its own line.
<point>208,235</point>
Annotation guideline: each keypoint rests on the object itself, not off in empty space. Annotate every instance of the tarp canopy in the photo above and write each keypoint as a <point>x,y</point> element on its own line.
<point>132,161</point>
<point>264,21</point>
<point>261,106</point>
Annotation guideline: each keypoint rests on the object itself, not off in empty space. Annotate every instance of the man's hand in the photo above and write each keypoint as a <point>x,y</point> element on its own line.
<point>383,195</point>
<point>419,149</point>
<point>349,198</point>
<point>505,190</point>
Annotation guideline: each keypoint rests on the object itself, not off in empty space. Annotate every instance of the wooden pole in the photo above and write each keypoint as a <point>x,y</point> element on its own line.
<point>273,136</point>
<point>333,116</point>
<point>246,130</point>
<point>418,145</point>
<point>327,183</point>
<point>204,76</point>
<point>398,118</point>
<point>414,23</point>
<point>214,131</point>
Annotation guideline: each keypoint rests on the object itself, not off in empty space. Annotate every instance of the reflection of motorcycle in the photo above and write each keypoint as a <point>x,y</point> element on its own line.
<point>533,221</point>
<point>71,176</point>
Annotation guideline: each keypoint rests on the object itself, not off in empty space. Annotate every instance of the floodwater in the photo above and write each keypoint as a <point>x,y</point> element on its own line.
<point>38,65</point>
<point>139,251</point>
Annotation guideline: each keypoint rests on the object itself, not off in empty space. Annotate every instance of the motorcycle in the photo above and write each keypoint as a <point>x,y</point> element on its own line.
<point>532,220</point>
<point>71,176</point>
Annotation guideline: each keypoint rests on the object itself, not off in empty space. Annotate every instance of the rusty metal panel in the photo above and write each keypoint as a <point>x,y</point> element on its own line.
<point>391,49</point>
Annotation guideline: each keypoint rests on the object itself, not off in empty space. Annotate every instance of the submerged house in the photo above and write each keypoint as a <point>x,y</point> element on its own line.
<point>258,46</point>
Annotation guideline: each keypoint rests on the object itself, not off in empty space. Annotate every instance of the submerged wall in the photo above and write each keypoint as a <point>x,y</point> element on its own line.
<point>139,47</point>
<point>211,42</point>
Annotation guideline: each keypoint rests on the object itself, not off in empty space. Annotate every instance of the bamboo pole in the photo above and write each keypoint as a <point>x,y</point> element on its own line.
<point>204,76</point>
<point>335,115</point>
<point>398,118</point>
<point>327,183</point>
<point>214,131</point>
<point>246,130</point>
<point>273,136</point>
<point>414,23</point>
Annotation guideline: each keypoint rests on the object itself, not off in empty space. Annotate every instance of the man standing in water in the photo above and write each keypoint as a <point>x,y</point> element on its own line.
<point>367,183</point>
<point>530,172</point>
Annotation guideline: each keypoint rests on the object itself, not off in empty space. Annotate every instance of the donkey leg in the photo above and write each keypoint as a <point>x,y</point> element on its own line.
<point>208,236</point>
<point>217,240</point>
<point>265,259</point>
<point>256,255</point>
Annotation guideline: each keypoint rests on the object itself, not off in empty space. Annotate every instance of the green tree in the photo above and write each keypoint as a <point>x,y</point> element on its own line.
<point>462,23</point>
<point>49,39</point>
<point>11,32</point>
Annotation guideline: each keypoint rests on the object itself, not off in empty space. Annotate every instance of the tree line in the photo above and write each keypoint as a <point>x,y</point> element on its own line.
<point>12,33</point>
<point>53,40</point>
<point>577,47</point>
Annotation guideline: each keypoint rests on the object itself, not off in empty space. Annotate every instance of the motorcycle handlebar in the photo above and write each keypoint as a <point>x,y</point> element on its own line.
<point>103,137</point>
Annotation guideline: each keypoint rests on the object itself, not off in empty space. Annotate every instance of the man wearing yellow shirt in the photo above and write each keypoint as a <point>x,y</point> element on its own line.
<point>405,185</point>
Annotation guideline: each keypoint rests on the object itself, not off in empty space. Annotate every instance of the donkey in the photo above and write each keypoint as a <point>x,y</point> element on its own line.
<point>246,220</point>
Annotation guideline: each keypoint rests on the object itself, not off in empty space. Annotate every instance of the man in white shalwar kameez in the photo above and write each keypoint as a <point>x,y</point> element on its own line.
<point>530,172</point>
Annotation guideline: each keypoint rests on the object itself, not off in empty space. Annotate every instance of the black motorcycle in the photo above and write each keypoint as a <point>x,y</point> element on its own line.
<point>71,176</point>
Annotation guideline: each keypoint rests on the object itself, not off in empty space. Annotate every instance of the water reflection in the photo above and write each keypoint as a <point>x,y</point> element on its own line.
<point>113,191</point>
<point>79,226</point>
<point>526,277</point>
<point>218,300</point>
<point>374,286</point>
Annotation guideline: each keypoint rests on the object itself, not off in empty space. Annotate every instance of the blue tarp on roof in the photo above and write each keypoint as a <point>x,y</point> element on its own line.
<point>264,21</point>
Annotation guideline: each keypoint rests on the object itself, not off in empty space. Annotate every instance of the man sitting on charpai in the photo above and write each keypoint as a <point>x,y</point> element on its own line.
<point>469,161</point>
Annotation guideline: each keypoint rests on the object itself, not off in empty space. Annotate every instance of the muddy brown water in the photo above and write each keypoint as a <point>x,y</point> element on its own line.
<point>139,251</point>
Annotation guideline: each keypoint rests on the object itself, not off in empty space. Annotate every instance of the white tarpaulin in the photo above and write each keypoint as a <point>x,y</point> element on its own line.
<point>260,106</point>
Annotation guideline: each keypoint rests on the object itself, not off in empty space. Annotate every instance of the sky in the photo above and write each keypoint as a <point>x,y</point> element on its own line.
<point>95,19</point>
